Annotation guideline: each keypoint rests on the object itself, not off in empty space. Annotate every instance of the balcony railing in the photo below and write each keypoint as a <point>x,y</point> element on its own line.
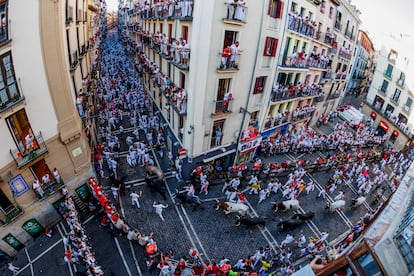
<point>235,14</point>
<point>229,64</point>
<point>221,107</point>
<point>11,214</point>
<point>340,76</point>
<point>300,27</point>
<point>333,96</point>
<point>327,38</point>
<point>23,157</point>
<point>11,102</point>
<point>320,98</point>
<point>295,63</point>
<point>74,60</point>
<point>343,53</point>
<point>327,75</point>
<point>388,74</point>
<point>319,62</point>
<point>4,32</point>
<point>333,50</point>
<point>287,94</point>
<point>182,11</point>
<point>182,58</point>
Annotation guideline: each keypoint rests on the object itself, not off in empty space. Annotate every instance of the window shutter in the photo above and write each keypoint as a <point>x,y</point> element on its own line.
<point>265,53</point>
<point>279,9</point>
<point>274,47</point>
<point>269,10</point>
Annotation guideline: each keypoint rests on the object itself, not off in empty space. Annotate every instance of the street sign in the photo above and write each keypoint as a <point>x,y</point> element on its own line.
<point>33,227</point>
<point>13,242</point>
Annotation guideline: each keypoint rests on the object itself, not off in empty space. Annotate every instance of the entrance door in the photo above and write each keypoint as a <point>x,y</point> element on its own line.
<point>20,127</point>
<point>40,168</point>
<point>5,204</point>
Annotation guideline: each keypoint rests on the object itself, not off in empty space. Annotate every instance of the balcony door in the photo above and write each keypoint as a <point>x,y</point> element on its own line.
<point>40,168</point>
<point>21,130</point>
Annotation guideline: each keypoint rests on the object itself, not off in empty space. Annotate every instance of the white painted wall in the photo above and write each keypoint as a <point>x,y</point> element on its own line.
<point>28,66</point>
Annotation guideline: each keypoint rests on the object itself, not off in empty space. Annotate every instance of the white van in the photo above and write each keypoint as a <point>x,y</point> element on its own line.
<point>351,115</point>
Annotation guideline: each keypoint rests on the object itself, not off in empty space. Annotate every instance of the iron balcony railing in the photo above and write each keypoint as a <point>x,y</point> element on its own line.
<point>22,156</point>
<point>236,13</point>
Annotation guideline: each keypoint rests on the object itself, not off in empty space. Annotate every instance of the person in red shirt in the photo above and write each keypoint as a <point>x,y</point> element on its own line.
<point>225,56</point>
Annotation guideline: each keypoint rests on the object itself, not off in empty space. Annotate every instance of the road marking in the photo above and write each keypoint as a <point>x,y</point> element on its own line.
<point>122,256</point>
<point>30,261</point>
<point>329,198</point>
<point>135,258</point>
<point>178,212</point>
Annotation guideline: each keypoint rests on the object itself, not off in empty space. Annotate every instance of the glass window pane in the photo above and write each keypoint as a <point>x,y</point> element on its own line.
<point>12,90</point>
<point>4,98</point>
<point>369,265</point>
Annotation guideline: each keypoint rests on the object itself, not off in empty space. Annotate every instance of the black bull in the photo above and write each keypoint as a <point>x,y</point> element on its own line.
<point>184,198</point>
<point>156,186</point>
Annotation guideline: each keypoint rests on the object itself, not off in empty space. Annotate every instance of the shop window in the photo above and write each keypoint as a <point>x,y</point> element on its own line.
<point>270,47</point>
<point>9,91</point>
<point>22,132</point>
<point>275,8</point>
<point>259,85</point>
<point>217,133</point>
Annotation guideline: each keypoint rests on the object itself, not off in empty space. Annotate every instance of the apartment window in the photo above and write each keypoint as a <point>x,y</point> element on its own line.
<point>259,85</point>
<point>161,28</point>
<point>331,11</point>
<point>369,265</point>
<point>402,118</point>
<point>409,103</point>
<point>222,89</point>
<point>389,110</point>
<point>389,70</point>
<point>396,95</point>
<point>217,133</point>
<point>270,47</point>
<point>253,119</point>
<point>8,85</point>
<point>384,86</point>
<point>275,8</point>
<point>230,37</point>
<point>378,103</point>
<point>184,33</point>
<point>21,130</point>
<point>69,12</point>
<point>41,169</point>
<point>4,21</point>
<point>402,77</point>
<point>182,80</point>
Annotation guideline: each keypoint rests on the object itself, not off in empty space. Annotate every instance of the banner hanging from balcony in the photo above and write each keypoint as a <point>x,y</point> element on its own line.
<point>18,186</point>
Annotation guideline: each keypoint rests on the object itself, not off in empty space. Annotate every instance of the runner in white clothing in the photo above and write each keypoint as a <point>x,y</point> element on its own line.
<point>135,198</point>
<point>158,209</point>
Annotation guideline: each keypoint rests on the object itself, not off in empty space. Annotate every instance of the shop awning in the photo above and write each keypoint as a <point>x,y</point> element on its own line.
<point>383,125</point>
<point>219,156</point>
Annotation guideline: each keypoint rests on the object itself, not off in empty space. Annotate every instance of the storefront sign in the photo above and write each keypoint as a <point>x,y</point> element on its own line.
<point>383,125</point>
<point>18,185</point>
<point>243,147</point>
<point>83,193</point>
<point>13,242</point>
<point>33,228</point>
<point>373,115</point>
<point>395,133</point>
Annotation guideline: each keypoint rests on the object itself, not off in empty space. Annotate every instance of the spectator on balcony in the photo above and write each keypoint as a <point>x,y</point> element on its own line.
<point>38,189</point>
<point>178,48</point>
<point>47,182</point>
<point>225,55</point>
<point>218,137</point>
<point>239,10</point>
<point>235,52</point>
<point>186,8</point>
<point>230,9</point>
<point>56,175</point>
<point>226,101</point>
<point>185,52</point>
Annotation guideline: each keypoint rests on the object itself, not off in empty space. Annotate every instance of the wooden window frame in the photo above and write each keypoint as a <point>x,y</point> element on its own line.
<point>259,85</point>
<point>270,47</point>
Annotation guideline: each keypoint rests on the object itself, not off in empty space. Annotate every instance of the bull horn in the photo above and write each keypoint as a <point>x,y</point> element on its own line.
<point>238,217</point>
<point>237,223</point>
<point>218,201</point>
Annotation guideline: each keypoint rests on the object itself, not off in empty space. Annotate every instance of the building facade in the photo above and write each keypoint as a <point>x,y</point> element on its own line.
<point>290,58</point>
<point>389,101</point>
<point>360,75</point>
<point>41,126</point>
